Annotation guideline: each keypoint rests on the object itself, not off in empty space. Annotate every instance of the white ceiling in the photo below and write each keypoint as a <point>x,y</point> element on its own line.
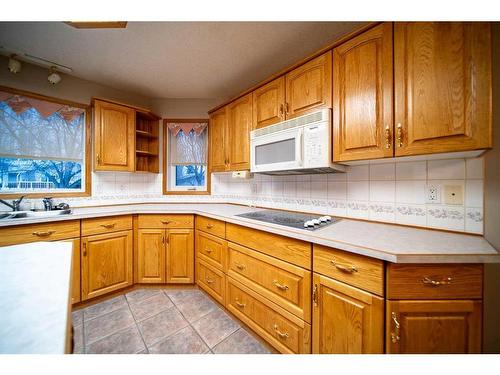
<point>175,59</point>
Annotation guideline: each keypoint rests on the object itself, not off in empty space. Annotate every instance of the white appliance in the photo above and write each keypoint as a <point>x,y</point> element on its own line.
<point>302,145</point>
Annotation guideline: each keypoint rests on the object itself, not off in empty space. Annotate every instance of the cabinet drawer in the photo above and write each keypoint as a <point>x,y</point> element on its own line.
<point>212,280</point>
<point>212,226</point>
<point>166,221</point>
<point>283,330</point>
<point>434,281</point>
<point>109,224</point>
<point>357,270</point>
<point>287,285</point>
<point>211,249</point>
<point>288,249</point>
<point>39,232</point>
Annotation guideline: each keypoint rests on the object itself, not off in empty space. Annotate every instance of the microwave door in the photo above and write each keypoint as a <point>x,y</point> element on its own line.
<point>277,152</point>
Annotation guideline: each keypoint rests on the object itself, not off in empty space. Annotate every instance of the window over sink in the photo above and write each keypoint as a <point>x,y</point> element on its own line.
<point>185,169</point>
<point>43,145</point>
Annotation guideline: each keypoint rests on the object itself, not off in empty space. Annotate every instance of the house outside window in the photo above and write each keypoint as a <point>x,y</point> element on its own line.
<point>186,169</point>
<point>42,145</point>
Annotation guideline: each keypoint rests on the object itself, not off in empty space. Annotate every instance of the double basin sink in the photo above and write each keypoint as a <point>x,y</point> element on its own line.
<point>32,214</point>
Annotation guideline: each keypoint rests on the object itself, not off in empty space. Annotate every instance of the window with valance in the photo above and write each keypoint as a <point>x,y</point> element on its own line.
<point>186,152</point>
<point>42,145</point>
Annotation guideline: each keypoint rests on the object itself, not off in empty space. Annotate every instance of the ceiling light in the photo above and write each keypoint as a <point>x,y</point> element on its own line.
<point>14,65</point>
<point>53,77</point>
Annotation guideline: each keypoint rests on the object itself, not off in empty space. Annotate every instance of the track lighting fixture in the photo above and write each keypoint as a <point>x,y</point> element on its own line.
<point>14,65</point>
<point>53,78</point>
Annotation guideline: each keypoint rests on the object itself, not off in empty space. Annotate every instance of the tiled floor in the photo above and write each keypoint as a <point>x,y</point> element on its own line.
<point>156,321</point>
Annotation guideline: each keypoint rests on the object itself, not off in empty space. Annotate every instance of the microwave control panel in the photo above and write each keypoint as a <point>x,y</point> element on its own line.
<point>317,143</point>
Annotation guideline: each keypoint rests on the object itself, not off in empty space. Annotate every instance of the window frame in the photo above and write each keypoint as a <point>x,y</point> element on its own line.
<point>166,166</point>
<point>87,151</point>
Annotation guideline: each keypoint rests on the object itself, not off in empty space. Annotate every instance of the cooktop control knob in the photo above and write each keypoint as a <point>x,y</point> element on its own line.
<point>328,218</point>
<point>315,221</point>
<point>309,224</point>
<point>323,220</point>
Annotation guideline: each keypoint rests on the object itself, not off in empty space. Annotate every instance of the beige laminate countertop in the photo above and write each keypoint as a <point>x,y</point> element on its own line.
<point>393,243</point>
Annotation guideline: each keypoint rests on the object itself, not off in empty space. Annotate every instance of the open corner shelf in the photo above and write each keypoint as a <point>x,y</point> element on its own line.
<point>147,130</point>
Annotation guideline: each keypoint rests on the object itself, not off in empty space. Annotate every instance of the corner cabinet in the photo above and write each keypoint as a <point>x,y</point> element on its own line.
<point>442,86</point>
<point>114,137</point>
<point>126,138</point>
<point>151,256</point>
<point>180,256</point>
<point>362,98</point>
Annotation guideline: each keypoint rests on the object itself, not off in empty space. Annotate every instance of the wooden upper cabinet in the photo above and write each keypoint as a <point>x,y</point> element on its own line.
<point>346,320</point>
<point>309,87</point>
<point>442,87</point>
<point>114,137</point>
<point>180,256</point>
<point>362,99</point>
<point>433,327</point>
<point>269,103</point>
<point>218,140</point>
<point>239,125</point>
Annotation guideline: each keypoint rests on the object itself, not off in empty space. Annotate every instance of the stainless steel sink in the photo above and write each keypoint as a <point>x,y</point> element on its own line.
<point>32,214</point>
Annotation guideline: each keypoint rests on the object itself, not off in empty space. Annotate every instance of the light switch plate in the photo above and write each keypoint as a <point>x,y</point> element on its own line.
<point>453,194</point>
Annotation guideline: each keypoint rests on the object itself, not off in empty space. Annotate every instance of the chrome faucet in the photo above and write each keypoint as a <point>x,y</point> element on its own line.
<point>48,204</point>
<point>15,203</point>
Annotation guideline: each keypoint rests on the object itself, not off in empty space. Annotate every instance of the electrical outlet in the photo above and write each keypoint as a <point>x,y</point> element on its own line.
<point>433,194</point>
<point>453,194</point>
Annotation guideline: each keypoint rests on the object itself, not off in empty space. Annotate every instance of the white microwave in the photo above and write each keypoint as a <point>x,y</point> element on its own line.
<point>302,145</point>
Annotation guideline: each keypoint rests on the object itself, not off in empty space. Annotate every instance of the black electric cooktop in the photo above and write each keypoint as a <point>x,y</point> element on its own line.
<point>291,219</point>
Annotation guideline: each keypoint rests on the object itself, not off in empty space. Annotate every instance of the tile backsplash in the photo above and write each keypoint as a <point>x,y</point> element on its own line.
<point>393,192</point>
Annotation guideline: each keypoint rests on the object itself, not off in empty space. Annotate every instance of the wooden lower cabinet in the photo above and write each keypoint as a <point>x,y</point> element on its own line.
<point>283,330</point>
<point>211,280</point>
<point>180,256</point>
<point>346,320</point>
<point>106,263</point>
<point>433,327</point>
<point>151,256</point>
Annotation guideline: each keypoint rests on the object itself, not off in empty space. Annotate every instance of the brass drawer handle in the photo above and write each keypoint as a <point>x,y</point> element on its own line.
<point>344,268</point>
<point>395,335</point>
<point>108,226</point>
<point>428,281</point>
<point>283,335</point>
<point>208,250</point>
<point>44,234</point>
<point>280,286</point>
<point>208,280</point>
<point>166,222</point>
<point>209,226</point>
<point>240,266</point>
<point>239,304</point>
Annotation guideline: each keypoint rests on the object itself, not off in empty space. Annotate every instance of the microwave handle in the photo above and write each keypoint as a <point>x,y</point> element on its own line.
<point>301,148</point>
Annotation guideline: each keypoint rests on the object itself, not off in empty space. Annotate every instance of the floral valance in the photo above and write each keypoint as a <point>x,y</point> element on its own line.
<point>186,127</point>
<point>20,104</point>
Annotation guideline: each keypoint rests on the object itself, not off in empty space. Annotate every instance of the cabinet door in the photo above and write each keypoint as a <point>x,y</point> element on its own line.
<point>442,86</point>
<point>151,256</point>
<point>239,127</point>
<point>362,104</point>
<point>309,87</point>
<point>269,103</point>
<point>180,256</point>
<point>430,327</point>
<point>106,263</point>
<point>75,271</point>
<point>218,140</point>
<point>114,137</point>
<point>346,320</point>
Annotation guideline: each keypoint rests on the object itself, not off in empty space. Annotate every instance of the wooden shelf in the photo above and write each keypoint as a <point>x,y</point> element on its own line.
<point>145,134</point>
<point>145,153</point>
